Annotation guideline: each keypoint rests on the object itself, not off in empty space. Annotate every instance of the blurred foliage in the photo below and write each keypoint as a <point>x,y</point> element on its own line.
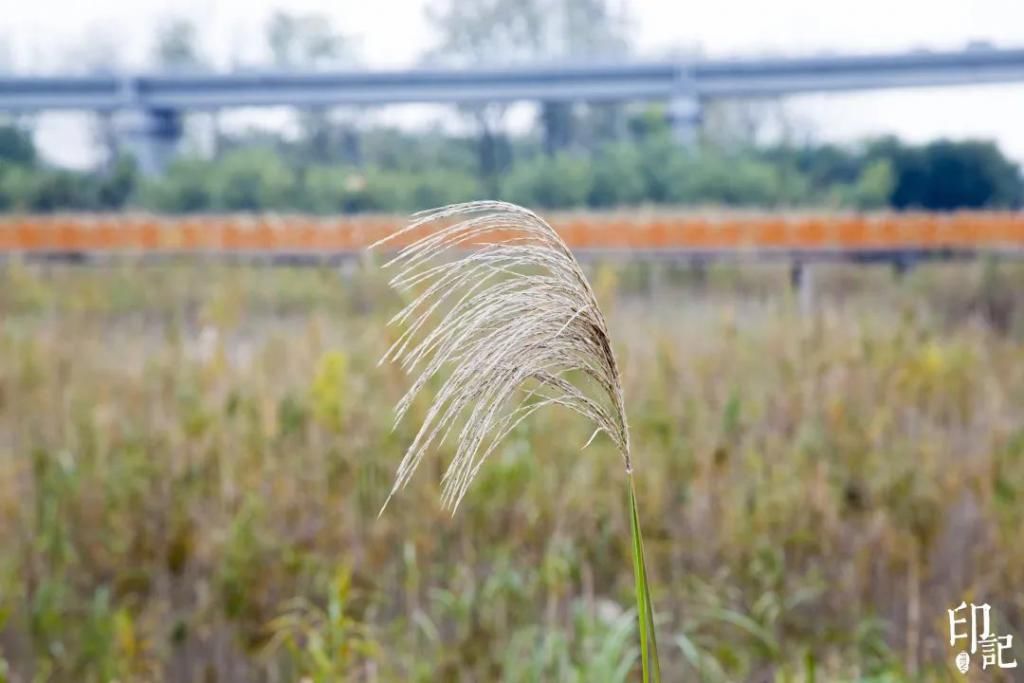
<point>548,183</point>
<point>26,184</point>
<point>192,458</point>
<point>16,146</point>
<point>945,175</point>
<point>341,170</point>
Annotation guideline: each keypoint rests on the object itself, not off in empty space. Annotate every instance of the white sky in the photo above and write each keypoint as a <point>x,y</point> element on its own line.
<point>46,35</point>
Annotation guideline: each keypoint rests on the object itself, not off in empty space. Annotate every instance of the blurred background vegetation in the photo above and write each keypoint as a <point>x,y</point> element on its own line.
<point>401,171</point>
<point>190,475</point>
<point>193,455</point>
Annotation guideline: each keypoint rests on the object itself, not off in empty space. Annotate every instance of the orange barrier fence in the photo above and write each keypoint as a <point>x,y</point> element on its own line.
<point>304,235</point>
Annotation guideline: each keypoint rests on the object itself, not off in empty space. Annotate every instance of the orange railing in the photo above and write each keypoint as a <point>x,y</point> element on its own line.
<point>304,235</point>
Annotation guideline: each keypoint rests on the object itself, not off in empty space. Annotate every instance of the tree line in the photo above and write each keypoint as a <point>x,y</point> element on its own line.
<point>401,171</point>
<point>576,156</point>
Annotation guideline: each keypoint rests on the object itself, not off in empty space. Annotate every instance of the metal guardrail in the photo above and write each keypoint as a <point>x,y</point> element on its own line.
<point>804,237</point>
<point>706,79</point>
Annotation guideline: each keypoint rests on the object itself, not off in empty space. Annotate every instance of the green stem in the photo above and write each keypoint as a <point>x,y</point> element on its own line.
<point>645,613</point>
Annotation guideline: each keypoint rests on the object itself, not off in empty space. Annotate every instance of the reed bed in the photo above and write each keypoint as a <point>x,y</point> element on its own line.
<point>192,459</point>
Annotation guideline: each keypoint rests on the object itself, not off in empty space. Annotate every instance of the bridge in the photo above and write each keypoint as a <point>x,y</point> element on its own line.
<point>160,99</point>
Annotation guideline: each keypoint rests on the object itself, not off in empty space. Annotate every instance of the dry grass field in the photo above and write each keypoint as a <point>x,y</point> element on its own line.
<point>193,455</point>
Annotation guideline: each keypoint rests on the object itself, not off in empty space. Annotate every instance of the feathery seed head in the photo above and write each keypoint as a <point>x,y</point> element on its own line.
<point>512,315</point>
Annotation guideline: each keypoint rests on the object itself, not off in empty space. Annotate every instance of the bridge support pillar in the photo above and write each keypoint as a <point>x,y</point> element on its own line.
<point>901,265</point>
<point>801,279</point>
<point>152,137</point>
<point>684,110</point>
<point>556,120</point>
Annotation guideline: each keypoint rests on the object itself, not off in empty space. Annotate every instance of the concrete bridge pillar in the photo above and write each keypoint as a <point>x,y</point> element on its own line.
<point>684,109</point>
<point>152,137</point>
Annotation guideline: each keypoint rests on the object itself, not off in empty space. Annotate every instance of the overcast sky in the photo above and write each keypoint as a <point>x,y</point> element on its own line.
<point>45,35</point>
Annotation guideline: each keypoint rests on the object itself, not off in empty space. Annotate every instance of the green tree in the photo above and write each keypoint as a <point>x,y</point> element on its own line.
<point>115,188</point>
<point>874,185</point>
<point>562,181</point>
<point>738,180</point>
<point>48,190</point>
<point>185,187</point>
<point>663,168</point>
<point>252,179</point>
<point>16,146</point>
<point>946,175</point>
<point>970,174</point>
<point>617,178</point>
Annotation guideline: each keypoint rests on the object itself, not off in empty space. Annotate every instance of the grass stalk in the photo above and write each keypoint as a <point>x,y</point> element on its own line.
<point>509,324</point>
<point>650,666</point>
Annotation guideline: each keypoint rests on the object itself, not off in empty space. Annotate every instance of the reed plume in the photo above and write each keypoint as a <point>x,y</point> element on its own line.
<point>502,306</point>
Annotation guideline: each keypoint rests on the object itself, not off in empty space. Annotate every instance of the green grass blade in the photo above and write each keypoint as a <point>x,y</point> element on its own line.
<point>645,613</point>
